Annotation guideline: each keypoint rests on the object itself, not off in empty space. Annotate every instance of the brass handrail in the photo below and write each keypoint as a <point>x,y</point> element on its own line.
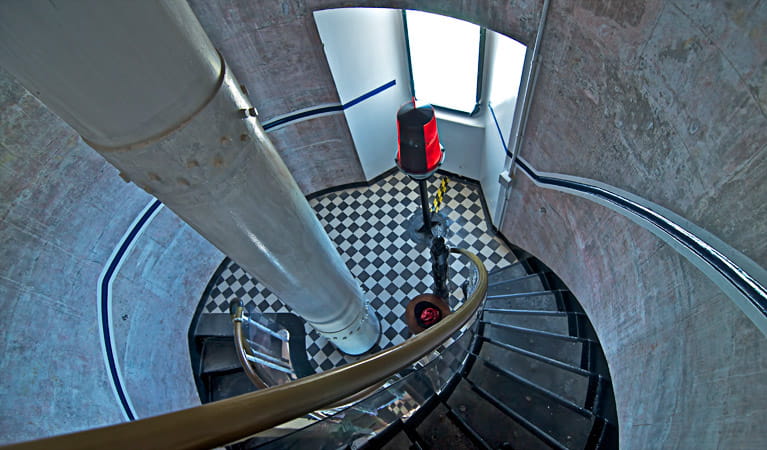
<point>219,423</point>
<point>241,346</point>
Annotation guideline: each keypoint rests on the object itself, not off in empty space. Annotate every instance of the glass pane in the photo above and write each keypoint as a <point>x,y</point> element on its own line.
<point>444,54</point>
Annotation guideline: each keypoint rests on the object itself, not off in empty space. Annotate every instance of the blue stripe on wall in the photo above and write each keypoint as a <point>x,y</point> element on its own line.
<point>744,283</point>
<point>328,109</point>
<point>104,304</point>
<point>500,133</point>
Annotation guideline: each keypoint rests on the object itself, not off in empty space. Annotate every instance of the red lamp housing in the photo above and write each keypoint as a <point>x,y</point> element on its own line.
<point>419,152</point>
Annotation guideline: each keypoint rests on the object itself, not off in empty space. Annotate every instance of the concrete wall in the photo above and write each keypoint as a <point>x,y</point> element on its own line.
<point>685,361</point>
<point>154,297</point>
<point>63,210</point>
<point>665,100</point>
<point>662,99</point>
<point>52,185</point>
<point>275,51</point>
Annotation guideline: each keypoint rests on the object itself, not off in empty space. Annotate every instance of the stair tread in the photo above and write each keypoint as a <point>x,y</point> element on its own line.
<point>438,431</point>
<point>515,269</point>
<point>495,428</point>
<point>521,294</point>
<point>223,386</point>
<point>219,355</point>
<point>529,384</point>
<point>564,337</point>
<point>544,440</point>
<point>543,358</point>
<point>532,312</point>
<point>214,325</point>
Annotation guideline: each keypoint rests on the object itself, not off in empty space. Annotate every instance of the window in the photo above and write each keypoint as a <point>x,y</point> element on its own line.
<point>445,57</point>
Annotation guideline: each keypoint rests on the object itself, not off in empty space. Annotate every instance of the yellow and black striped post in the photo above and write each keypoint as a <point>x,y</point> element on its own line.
<point>437,203</point>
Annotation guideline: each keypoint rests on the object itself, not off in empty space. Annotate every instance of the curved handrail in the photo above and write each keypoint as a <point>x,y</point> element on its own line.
<point>240,345</point>
<point>219,423</point>
<point>241,348</point>
<point>723,265</point>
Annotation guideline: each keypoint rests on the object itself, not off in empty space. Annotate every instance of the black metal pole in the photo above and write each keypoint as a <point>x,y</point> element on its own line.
<point>425,207</point>
<point>439,254</point>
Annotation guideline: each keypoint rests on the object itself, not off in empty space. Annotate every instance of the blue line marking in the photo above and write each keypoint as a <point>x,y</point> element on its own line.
<point>689,240</point>
<point>500,133</point>
<point>735,275</point>
<point>104,289</point>
<point>370,94</point>
<point>327,109</point>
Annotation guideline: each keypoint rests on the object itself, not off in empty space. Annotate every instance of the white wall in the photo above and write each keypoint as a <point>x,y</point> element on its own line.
<point>463,139</point>
<point>505,58</point>
<point>365,48</point>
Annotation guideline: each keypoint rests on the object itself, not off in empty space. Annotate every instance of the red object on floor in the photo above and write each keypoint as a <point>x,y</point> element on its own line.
<point>430,316</point>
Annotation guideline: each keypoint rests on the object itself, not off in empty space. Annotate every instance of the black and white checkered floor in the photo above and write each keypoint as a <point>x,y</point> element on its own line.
<point>367,225</point>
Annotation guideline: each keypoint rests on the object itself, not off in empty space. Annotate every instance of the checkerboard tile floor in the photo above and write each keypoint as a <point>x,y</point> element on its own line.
<point>368,227</point>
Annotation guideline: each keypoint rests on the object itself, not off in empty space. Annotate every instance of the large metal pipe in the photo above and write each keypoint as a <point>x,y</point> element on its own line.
<point>141,82</point>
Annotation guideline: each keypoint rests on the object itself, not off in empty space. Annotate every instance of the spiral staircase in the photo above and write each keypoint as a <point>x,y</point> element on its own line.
<point>528,373</point>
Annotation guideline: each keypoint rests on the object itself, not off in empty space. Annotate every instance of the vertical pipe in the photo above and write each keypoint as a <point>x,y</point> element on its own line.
<point>425,207</point>
<point>439,254</point>
<point>141,82</point>
<point>523,104</point>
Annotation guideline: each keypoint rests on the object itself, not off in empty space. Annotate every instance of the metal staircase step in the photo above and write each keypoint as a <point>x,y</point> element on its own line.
<point>532,312</point>
<point>552,323</point>
<point>520,278</point>
<point>229,385</point>
<point>214,325</point>
<point>527,283</point>
<point>521,420</point>
<point>542,358</point>
<point>468,430</point>
<point>536,300</point>
<point>563,337</point>
<point>439,431</point>
<point>523,294</point>
<point>494,428</point>
<point>569,428</point>
<point>557,398</point>
<point>218,355</point>
<point>398,442</point>
<point>516,269</point>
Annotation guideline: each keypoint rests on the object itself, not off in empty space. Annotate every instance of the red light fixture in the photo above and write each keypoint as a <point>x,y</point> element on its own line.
<point>419,152</point>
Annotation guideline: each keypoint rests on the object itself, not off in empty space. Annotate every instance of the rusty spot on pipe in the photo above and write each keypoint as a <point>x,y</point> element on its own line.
<point>183,181</point>
<point>218,161</point>
<point>192,164</point>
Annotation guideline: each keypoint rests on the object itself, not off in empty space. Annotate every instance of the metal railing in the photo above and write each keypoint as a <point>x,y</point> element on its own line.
<point>226,421</point>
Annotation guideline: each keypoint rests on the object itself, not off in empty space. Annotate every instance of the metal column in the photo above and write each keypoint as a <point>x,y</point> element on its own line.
<point>143,85</point>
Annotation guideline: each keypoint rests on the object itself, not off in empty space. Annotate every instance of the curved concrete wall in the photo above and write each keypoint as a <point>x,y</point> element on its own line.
<point>683,357</point>
<point>665,100</point>
<point>55,229</point>
<point>64,210</point>
<point>275,51</point>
